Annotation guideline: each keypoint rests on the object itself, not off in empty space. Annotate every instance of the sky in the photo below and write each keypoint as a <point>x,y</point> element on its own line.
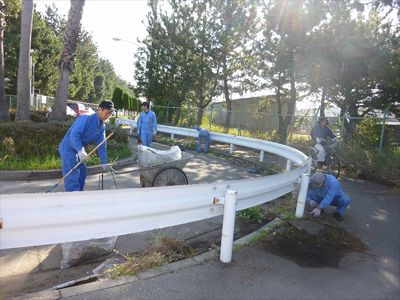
<point>108,19</point>
<point>117,19</point>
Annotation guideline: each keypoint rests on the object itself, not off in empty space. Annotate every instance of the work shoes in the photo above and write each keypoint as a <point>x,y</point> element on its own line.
<point>338,216</point>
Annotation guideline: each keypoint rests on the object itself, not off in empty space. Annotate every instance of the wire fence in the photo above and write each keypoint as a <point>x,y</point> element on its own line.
<point>383,126</point>
<point>265,125</point>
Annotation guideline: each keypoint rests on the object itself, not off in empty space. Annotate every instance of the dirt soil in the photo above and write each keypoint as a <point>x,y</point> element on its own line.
<point>324,249</point>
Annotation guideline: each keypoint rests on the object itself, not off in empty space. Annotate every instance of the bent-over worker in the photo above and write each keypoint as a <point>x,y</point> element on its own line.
<point>324,190</point>
<point>203,134</point>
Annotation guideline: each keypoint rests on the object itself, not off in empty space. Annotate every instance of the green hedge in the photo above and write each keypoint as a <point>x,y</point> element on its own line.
<point>29,138</point>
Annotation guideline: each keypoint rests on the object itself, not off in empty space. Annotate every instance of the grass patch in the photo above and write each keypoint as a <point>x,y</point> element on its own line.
<point>251,214</point>
<point>53,161</point>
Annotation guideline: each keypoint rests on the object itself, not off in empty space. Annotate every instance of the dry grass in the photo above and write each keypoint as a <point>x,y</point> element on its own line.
<point>166,250</point>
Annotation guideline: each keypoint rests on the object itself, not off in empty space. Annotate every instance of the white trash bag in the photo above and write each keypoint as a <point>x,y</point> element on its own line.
<point>149,156</point>
<point>77,252</point>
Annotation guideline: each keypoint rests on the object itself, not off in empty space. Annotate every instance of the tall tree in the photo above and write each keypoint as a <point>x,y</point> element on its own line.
<point>117,98</point>
<point>237,19</point>
<point>66,64</point>
<point>4,109</point>
<point>286,29</point>
<point>24,91</point>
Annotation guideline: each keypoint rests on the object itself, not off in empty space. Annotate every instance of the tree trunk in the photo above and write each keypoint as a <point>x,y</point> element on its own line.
<point>322,107</point>
<point>24,89</point>
<point>66,64</point>
<point>200,108</point>
<point>177,116</point>
<point>283,124</point>
<point>226,93</point>
<point>4,109</point>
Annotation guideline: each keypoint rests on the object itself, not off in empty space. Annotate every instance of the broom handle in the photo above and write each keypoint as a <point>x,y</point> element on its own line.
<point>78,164</point>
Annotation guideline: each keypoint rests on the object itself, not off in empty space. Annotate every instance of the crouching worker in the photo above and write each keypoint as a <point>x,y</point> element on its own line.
<point>87,128</point>
<point>203,134</point>
<point>324,190</point>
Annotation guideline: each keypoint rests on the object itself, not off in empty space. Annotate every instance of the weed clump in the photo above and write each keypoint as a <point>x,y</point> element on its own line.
<point>166,250</point>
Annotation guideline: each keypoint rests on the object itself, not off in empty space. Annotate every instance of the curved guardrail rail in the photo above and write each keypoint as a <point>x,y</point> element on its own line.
<point>40,219</point>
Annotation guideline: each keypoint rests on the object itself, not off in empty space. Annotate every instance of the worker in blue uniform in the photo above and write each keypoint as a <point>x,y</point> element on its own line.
<point>203,134</point>
<point>87,128</point>
<point>324,190</point>
<point>146,124</point>
<point>319,134</point>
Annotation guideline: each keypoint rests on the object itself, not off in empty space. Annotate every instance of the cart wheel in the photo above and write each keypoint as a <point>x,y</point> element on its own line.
<point>171,176</point>
<point>144,182</point>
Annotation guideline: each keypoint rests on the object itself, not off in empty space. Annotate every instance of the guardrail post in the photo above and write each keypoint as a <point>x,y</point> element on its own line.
<point>172,136</point>
<point>231,149</point>
<point>288,165</point>
<point>228,225</point>
<point>301,200</point>
<point>262,153</point>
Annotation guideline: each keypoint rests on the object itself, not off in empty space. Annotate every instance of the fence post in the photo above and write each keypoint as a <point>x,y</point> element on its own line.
<point>273,121</point>
<point>342,127</point>
<point>383,129</point>
<point>166,121</point>
<point>212,107</point>
<point>187,115</point>
<point>240,120</point>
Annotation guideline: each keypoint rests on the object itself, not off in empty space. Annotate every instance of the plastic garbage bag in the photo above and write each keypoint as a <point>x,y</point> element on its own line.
<point>106,269</point>
<point>149,156</point>
<point>77,252</point>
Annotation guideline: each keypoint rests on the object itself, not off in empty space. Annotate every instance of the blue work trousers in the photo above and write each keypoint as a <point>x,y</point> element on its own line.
<point>76,180</point>
<point>206,138</point>
<point>147,137</point>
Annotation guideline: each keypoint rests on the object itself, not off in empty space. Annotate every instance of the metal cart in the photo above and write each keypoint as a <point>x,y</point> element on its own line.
<point>165,174</point>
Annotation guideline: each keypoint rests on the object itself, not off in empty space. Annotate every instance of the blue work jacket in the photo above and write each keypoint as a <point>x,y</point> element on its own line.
<point>86,128</point>
<point>147,122</point>
<point>325,196</point>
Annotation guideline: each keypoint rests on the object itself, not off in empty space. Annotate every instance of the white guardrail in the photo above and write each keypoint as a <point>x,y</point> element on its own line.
<point>49,218</point>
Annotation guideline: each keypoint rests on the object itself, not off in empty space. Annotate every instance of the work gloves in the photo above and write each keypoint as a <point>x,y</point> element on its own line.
<point>318,140</point>
<point>105,168</point>
<point>313,203</point>
<point>334,140</point>
<point>82,156</point>
<point>315,213</point>
<point>155,132</point>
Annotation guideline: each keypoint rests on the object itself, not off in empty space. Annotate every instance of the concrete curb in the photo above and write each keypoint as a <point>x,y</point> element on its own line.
<point>23,175</point>
<point>147,274</point>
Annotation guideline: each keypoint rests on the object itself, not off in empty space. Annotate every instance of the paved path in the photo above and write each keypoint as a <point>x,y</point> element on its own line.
<point>255,273</point>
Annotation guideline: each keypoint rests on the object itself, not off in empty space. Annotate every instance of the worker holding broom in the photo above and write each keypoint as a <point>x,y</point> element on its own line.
<point>87,128</point>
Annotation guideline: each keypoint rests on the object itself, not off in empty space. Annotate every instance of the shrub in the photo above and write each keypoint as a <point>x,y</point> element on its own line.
<point>33,139</point>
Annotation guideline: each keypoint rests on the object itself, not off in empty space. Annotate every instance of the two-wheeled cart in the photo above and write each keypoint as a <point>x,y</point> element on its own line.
<point>164,174</point>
